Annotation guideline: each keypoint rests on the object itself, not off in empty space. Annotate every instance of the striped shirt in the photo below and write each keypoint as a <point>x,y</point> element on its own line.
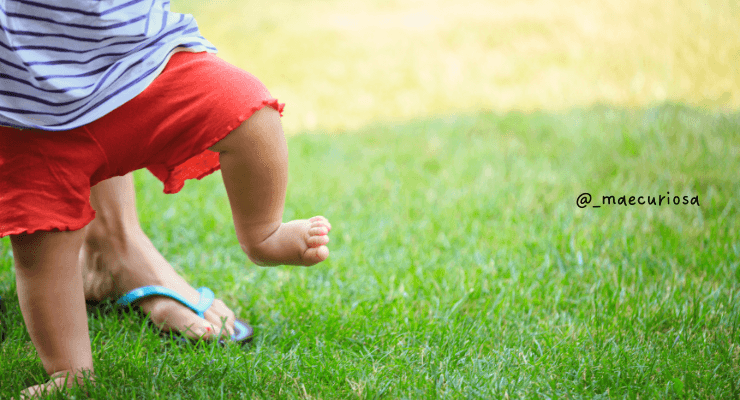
<point>64,64</point>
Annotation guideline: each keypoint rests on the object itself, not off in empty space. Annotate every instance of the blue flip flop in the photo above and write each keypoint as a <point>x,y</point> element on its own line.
<point>242,331</point>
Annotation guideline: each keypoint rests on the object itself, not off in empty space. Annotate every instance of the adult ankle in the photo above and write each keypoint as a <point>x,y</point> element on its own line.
<point>110,236</point>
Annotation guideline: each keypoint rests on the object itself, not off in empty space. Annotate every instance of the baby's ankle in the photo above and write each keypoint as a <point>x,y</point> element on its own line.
<point>261,248</point>
<point>79,374</point>
<point>59,381</point>
<point>74,378</point>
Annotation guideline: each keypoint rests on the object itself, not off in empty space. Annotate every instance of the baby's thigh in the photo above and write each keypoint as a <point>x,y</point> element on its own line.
<point>195,102</point>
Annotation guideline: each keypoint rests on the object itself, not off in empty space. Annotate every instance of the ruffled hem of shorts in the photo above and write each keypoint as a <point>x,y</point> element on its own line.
<point>207,162</point>
<point>46,228</point>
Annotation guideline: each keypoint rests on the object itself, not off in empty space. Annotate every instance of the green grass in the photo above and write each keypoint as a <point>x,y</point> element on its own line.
<point>460,268</point>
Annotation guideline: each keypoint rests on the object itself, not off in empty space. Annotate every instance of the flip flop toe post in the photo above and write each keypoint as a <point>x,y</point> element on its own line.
<point>242,331</point>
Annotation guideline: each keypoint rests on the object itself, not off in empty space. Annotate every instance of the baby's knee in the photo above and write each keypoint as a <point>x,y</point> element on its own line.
<point>260,129</point>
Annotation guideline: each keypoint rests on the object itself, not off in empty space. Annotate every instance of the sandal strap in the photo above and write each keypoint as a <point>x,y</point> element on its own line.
<point>204,303</point>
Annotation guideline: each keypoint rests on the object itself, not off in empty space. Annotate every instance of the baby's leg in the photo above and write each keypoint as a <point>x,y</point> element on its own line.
<point>53,303</point>
<point>254,164</point>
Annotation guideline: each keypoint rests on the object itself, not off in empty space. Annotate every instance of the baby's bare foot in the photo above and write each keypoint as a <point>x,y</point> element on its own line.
<point>58,382</point>
<point>299,242</point>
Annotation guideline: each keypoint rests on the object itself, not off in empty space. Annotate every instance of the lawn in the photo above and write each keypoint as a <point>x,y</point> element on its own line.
<point>461,265</point>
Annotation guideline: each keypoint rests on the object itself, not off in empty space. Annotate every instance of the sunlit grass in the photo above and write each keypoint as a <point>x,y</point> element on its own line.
<point>461,268</point>
<point>341,64</point>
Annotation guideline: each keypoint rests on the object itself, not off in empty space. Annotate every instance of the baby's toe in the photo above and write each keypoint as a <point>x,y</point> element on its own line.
<point>316,241</point>
<point>322,253</point>
<point>316,255</point>
<point>319,230</point>
<point>319,220</point>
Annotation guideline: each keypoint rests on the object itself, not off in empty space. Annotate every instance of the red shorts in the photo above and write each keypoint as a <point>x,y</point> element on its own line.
<point>198,99</point>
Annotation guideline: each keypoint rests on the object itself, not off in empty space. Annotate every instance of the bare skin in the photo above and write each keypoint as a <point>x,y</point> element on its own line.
<point>117,257</point>
<point>48,280</point>
<point>257,198</point>
<point>49,265</point>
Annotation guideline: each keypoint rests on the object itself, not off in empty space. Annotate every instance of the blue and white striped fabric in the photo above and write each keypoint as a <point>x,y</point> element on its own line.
<point>64,64</point>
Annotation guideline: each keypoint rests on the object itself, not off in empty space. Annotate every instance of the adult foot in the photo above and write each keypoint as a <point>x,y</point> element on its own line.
<point>114,264</point>
<point>299,242</point>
